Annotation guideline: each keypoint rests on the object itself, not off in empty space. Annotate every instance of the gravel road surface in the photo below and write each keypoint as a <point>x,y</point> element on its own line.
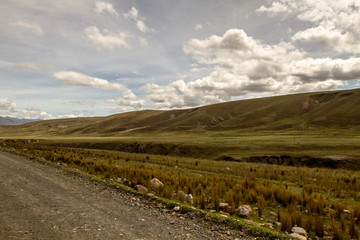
<point>41,201</point>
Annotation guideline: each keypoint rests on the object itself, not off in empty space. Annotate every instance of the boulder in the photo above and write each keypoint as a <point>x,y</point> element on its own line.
<point>242,212</point>
<point>299,231</point>
<point>141,188</point>
<point>181,196</point>
<point>297,236</point>
<point>156,183</point>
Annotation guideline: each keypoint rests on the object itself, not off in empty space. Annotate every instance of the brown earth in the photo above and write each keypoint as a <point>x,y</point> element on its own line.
<point>42,201</point>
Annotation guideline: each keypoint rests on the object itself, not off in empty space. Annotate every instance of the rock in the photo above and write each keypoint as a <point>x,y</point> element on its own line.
<point>156,183</point>
<point>223,204</point>
<point>299,231</point>
<point>242,212</point>
<point>141,188</point>
<point>247,207</point>
<point>227,169</point>
<point>273,214</point>
<point>151,195</point>
<point>119,180</point>
<point>126,182</point>
<point>347,211</point>
<point>225,207</point>
<point>177,208</point>
<point>189,199</point>
<point>297,236</point>
<point>181,196</point>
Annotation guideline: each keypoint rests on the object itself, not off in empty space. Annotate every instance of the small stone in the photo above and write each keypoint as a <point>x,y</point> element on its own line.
<point>347,211</point>
<point>141,188</point>
<point>273,214</point>
<point>242,212</point>
<point>299,231</point>
<point>189,199</point>
<point>172,222</point>
<point>247,207</point>
<point>156,183</point>
<point>177,208</point>
<point>126,182</point>
<point>298,236</point>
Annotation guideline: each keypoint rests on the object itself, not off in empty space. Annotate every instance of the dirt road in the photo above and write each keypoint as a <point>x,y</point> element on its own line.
<point>41,201</point>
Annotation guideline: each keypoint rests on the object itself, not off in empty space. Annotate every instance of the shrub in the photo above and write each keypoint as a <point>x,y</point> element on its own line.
<point>261,205</point>
<point>354,234</point>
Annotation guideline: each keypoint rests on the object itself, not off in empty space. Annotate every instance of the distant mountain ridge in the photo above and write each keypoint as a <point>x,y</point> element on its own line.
<point>297,112</point>
<point>15,121</point>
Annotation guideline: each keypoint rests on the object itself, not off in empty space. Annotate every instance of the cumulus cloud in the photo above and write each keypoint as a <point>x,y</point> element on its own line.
<point>79,79</point>
<point>106,39</point>
<point>128,99</point>
<point>8,109</point>
<point>335,22</point>
<point>243,65</point>
<point>133,14</point>
<point>101,7</point>
<point>29,27</point>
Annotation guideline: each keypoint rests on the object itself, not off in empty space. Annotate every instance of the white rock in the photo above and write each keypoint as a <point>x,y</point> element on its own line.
<point>298,236</point>
<point>299,231</point>
<point>156,183</point>
<point>242,212</point>
<point>189,198</point>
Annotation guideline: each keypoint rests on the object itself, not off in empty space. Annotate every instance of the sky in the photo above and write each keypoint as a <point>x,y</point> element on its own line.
<point>67,58</point>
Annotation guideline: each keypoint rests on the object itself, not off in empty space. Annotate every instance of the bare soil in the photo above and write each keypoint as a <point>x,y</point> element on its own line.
<point>42,201</point>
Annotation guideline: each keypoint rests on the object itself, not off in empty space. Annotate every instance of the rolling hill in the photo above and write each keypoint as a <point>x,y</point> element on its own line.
<point>14,121</point>
<point>297,112</point>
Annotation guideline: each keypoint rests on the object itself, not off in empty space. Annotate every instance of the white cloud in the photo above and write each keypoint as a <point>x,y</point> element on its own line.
<point>133,14</point>
<point>106,39</point>
<point>336,23</point>
<point>128,99</point>
<point>101,7</point>
<point>79,79</point>
<point>8,109</point>
<point>198,27</point>
<point>30,27</point>
<point>242,65</point>
<point>32,66</point>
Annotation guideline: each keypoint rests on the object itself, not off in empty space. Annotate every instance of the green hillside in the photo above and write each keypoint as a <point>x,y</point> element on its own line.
<point>299,112</point>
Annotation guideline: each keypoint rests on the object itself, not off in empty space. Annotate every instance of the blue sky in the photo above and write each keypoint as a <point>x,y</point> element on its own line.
<point>95,58</point>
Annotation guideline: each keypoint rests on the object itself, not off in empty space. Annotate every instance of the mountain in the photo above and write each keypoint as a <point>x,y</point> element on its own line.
<point>14,121</point>
<point>297,112</point>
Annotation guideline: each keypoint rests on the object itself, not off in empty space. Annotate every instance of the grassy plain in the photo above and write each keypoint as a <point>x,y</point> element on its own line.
<point>290,195</point>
